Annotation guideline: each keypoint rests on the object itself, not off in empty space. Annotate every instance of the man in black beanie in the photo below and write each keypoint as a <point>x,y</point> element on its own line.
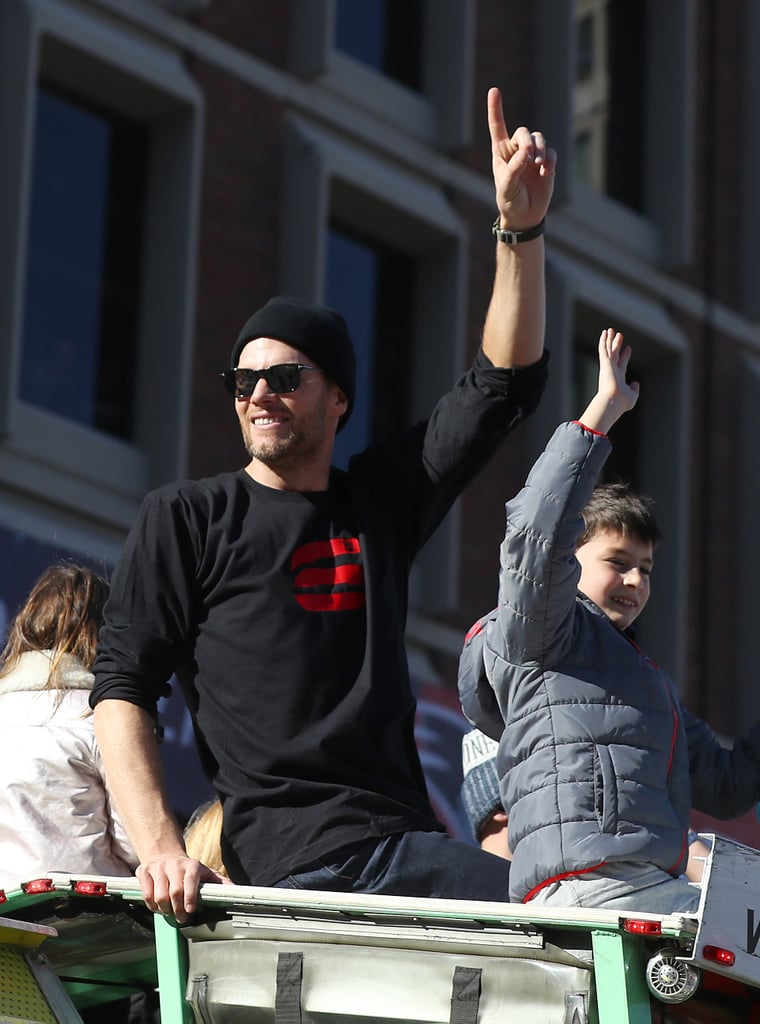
<point>277,595</point>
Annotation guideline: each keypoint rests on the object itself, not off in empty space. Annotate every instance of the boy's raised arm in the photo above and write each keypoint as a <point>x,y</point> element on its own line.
<point>539,571</point>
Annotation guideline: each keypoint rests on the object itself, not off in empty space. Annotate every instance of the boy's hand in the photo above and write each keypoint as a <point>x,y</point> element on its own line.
<point>615,395</point>
<point>523,170</point>
<point>614,357</point>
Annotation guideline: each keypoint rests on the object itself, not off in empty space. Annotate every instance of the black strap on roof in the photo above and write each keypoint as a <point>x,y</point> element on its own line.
<point>465,995</point>
<point>287,1000</point>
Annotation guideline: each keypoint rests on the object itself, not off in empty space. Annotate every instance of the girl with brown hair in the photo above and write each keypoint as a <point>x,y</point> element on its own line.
<point>55,811</point>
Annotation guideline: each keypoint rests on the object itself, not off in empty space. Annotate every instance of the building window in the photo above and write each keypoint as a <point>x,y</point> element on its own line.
<point>99,189</point>
<point>410,62</point>
<point>82,279</point>
<point>585,48</point>
<point>386,35</point>
<point>590,94</point>
<point>373,286</point>
<point>629,123</point>
<point>609,97</point>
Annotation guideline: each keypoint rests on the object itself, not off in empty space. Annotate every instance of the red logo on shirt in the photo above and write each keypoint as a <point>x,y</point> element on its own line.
<point>328,575</point>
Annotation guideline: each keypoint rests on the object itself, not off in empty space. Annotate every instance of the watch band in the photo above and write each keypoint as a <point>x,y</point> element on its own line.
<point>510,237</point>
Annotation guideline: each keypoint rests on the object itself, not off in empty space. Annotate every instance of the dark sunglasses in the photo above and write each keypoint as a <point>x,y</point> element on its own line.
<point>280,379</point>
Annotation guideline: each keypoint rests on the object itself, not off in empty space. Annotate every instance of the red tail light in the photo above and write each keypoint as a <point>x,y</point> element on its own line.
<point>639,927</point>
<point>90,888</point>
<point>724,957</point>
<point>38,885</point>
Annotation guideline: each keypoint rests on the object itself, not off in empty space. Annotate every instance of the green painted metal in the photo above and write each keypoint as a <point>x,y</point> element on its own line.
<point>619,972</point>
<point>619,959</point>
<point>171,956</point>
<point>91,988</point>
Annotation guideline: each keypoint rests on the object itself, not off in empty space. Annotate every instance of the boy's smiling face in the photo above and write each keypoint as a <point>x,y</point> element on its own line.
<point>615,570</point>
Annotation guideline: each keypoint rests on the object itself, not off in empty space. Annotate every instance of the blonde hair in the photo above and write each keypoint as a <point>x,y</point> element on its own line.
<point>203,836</point>
<point>62,615</point>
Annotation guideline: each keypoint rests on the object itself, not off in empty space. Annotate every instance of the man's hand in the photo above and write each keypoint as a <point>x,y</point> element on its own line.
<point>170,884</point>
<point>523,170</point>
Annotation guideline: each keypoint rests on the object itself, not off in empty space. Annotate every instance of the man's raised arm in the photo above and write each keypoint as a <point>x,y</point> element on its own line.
<point>523,173</point>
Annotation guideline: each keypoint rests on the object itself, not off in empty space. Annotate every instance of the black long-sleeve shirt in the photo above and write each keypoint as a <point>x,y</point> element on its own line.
<point>283,614</point>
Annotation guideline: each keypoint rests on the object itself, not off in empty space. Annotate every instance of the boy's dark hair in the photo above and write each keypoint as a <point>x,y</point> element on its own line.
<point>615,507</point>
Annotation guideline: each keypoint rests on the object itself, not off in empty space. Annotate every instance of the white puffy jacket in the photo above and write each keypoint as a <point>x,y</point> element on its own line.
<point>55,812</point>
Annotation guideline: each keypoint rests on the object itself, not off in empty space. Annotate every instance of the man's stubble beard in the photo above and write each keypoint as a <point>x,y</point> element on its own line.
<point>291,452</point>
<point>270,454</point>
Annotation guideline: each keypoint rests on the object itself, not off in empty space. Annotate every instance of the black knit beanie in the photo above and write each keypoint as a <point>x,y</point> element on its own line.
<point>320,333</point>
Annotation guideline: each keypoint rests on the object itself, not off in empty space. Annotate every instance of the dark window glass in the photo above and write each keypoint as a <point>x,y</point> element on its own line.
<point>585,57</point>
<point>82,292</point>
<point>622,465</point>
<point>373,287</point>
<point>627,34</point>
<point>384,34</point>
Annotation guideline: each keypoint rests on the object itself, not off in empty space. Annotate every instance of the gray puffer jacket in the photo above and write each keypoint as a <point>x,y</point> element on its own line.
<point>598,760</point>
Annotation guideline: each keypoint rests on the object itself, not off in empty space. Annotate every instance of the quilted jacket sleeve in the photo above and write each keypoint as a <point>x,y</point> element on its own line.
<point>725,781</point>
<point>475,691</point>
<point>539,571</point>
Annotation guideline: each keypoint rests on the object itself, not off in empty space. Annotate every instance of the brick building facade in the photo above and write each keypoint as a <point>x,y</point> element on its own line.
<point>170,164</point>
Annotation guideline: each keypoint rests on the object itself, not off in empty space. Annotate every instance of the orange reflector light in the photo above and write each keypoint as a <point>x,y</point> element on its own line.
<point>38,885</point>
<point>638,927</point>
<point>90,888</point>
<point>724,957</point>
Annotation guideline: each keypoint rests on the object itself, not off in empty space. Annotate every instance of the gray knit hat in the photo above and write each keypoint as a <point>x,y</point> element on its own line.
<point>317,331</point>
<point>480,787</point>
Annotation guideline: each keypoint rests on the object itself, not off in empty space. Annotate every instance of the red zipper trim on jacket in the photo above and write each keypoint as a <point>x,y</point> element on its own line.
<point>685,839</point>
<point>561,878</point>
<point>638,650</point>
<point>670,699</point>
<point>673,739</point>
<point>673,870</point>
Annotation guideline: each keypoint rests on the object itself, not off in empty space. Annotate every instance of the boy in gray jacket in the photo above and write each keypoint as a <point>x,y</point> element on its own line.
<point>599,763</point>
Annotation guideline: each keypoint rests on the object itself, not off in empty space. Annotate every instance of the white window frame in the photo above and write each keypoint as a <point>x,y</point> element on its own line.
<point>327,177</point>
<point>44,457</point>
<point>439,115</point>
